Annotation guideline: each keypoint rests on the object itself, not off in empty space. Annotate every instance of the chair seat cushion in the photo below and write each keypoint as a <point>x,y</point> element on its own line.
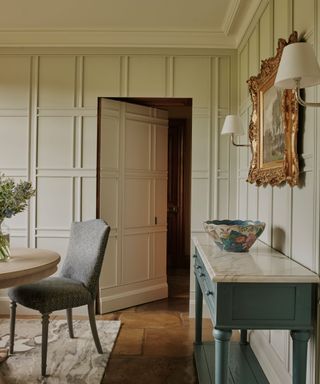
<point>51,294</point>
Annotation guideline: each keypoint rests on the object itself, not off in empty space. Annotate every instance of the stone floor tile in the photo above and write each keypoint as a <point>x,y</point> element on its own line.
<point>109,316</point>
<point>190,322</point>
<point>129,342</point>
<point>166,346</point>
<point>168,342</point>
<point>151,319</point>
<point>173,304</point>
<point>150,371</point>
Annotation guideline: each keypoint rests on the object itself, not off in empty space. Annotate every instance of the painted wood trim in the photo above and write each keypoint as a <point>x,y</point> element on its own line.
<point>273,367</point>
<point>105,38</point>
<point>214,132</point>
<point>32,153</point>
<point>262,6</point>
<point>118,51</point>
<point>134,297</point>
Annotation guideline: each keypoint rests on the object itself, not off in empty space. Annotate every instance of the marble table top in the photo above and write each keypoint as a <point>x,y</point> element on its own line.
<point>261,264</point>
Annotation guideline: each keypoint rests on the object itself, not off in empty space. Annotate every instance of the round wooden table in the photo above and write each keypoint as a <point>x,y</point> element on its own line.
<point>25,266</point>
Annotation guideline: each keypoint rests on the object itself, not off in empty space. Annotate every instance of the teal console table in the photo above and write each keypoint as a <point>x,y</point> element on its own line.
<point>261,289</point>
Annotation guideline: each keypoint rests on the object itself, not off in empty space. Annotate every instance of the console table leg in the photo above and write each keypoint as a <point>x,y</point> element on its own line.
<point>222,344</point>
<point>243,337</point>
<point>198,314</point>
<point>299,358</point>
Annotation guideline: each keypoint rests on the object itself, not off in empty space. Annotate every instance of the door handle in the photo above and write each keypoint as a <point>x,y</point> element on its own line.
<point>173,209</point>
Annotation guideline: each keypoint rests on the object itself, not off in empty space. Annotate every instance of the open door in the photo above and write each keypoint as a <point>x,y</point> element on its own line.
<point>132,198</point>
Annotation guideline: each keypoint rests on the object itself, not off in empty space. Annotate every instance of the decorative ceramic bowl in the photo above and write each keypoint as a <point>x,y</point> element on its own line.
<point>234,235</point>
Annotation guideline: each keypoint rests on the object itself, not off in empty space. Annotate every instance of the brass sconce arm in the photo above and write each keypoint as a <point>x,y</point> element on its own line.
<point>299,98</point>
<point>237,145</point>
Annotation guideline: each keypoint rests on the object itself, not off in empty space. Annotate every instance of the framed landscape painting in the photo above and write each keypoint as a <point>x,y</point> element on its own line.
<point>273,126</point>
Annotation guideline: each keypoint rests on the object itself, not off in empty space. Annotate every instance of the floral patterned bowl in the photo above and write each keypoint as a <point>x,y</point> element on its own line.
<point>234,235</point>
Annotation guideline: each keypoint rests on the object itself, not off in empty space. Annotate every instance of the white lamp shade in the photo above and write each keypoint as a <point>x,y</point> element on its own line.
<point>232,124</point>
<point>298,62</point>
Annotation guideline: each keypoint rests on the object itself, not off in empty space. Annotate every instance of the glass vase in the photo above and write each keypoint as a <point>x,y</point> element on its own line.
<point>4,242</point>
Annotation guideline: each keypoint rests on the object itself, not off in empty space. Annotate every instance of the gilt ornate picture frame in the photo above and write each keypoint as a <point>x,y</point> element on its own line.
<point>273,126</point>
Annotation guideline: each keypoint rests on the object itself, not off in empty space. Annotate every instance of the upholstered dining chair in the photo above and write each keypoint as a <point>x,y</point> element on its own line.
<point>75,286</point>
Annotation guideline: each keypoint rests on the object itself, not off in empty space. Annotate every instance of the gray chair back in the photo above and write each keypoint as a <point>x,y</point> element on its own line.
<point>83,262</point>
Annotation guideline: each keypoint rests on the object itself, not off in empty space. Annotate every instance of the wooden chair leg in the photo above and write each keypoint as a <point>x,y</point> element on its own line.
<point>13,306</point>
<point>69,320</point>
<point>44,345</point>
<point>93,326</point>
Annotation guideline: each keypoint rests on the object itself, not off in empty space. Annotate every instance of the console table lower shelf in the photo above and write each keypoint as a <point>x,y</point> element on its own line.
<point>243,366</point>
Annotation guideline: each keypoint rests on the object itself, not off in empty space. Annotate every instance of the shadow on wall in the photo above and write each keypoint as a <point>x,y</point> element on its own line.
<point>279,239</point>
<point>300,141</point>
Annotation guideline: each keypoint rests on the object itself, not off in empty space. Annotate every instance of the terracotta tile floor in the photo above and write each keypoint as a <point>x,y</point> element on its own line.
<point>155,343</point>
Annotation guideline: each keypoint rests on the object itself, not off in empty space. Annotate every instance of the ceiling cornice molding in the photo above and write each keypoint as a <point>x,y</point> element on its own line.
<point>230,16</point>
<point>238,18</point>
<point>107,38</point>
<point>251,25</point>
<point>237,21</point>
<point>246,19</point>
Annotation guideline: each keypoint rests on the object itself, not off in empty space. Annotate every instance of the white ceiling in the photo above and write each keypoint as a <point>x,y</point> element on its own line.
<point>173,23</point>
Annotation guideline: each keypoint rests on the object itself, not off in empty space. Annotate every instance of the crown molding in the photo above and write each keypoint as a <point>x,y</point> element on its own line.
<point>107,38</point>
<point>237,20</point>
<point>230,16</point>
<point>247,18</point>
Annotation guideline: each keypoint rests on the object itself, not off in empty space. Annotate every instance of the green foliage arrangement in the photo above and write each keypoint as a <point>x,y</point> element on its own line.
<point>13,199</point>
<point>13,196</point>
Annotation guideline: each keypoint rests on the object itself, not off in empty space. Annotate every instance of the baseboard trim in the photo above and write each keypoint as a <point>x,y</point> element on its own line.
<point>135,297</point>
<point>272,366</point>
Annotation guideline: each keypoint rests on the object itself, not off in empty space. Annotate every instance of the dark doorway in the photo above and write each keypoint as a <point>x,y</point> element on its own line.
<point>175,218</point>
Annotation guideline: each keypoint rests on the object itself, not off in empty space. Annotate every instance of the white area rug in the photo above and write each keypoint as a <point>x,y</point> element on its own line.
<point>69,360</point>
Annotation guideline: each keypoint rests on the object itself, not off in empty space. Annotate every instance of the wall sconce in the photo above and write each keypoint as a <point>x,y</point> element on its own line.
<point>298,69</point>
<point>233,126</point>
